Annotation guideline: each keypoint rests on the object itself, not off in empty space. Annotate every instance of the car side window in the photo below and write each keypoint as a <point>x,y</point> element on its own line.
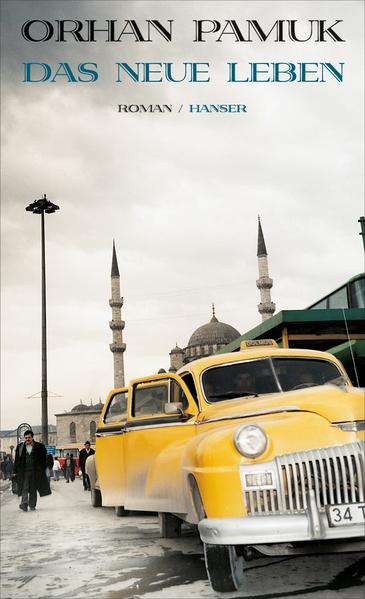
<point>149,400</point>
<point>178,395</point>
<point>117,409</point>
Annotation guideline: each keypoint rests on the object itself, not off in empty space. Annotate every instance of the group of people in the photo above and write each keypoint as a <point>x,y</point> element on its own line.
<point>68,467</point>
<point>33,469</point>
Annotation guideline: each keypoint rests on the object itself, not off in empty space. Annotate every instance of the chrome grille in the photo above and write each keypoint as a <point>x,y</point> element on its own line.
<point>262,502</point>
<point>335,474</point>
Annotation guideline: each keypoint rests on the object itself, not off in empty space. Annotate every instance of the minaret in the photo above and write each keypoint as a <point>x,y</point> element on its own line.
<point>176,358</point>
<point>266,307</point>
<point>117,324</point>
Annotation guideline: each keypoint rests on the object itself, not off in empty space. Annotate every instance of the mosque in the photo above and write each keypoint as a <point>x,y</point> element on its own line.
<point>80,423</point>
<point>206,339</point>
<point>214,335</point>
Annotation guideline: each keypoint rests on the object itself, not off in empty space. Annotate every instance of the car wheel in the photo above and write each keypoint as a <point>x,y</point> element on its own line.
<point>224,567</point>
<point>120,511</point>
<point>95,497</point>
<point>170,526</point>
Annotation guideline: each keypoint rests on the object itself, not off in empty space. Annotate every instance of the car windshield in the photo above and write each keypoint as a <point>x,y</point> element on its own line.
<point>267,375</point>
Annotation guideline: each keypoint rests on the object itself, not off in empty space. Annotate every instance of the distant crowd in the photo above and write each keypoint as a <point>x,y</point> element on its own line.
<point>53,467</point>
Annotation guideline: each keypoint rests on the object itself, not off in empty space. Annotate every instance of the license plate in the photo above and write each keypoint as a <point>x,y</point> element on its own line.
<point>343,515</point>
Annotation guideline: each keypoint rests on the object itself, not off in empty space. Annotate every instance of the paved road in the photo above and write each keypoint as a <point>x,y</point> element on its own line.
<point>67,549</point>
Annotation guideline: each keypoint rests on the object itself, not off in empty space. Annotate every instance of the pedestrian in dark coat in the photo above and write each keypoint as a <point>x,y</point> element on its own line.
<point>67,468</point>
<point>72,467</point>
<point>30,470</point>
<point>9,467</point>
<point>49,464</point>
<point>84,454</point>
<point>2,469</point>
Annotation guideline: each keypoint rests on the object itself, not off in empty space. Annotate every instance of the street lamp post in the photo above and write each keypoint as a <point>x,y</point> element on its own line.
<point>40,207</point>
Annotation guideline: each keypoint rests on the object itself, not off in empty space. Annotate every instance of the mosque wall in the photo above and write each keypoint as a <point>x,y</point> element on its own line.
<point>82,430</point>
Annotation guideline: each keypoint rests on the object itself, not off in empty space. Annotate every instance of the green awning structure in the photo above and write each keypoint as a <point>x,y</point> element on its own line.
<point>340,331</point>
<point>352,356</point>
<point>315,329</point>
<point>345,351</point>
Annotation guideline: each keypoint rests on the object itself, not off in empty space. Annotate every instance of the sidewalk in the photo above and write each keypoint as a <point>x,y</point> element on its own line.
<point>67,549</point>
<point>4,486</point>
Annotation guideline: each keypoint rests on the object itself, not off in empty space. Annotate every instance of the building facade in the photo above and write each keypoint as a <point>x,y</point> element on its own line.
<point>78,425</point>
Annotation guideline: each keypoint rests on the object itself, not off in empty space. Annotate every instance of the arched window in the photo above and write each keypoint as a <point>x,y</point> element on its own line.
<point>73,432</point>
<point>92,431</point>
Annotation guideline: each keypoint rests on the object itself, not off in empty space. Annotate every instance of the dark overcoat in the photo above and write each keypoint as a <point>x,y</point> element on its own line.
<point>39,456</point>
<point>83,457</point>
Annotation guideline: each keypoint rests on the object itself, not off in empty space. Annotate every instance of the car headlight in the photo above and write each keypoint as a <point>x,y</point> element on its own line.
<point>250,440</point>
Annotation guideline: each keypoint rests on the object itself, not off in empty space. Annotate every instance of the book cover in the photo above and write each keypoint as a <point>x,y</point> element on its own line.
<point>158,158</point>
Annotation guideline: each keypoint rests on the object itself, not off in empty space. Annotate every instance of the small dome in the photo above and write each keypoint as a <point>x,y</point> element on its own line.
<point>176,350</point>
<point>81,407</point>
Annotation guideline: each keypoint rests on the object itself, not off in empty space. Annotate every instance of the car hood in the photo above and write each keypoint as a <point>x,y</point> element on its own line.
<point>336,404</point>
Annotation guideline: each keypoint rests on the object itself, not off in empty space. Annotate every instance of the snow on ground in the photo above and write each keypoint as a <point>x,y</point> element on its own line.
<point>68,550</point>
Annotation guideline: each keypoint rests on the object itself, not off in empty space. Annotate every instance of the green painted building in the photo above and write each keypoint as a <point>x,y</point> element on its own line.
<point>335,323</point>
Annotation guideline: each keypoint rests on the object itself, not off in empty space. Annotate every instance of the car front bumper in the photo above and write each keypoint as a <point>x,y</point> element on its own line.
<point>311,525</point>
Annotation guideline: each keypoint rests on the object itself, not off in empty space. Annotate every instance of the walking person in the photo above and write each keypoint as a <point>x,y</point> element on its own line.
<point>56,469</point>
<point>30,470</point>
<point>72,467</point>
<point>49,468</point>
<point>67,468</point>
<point>84,454</point>
<point>9,467</point>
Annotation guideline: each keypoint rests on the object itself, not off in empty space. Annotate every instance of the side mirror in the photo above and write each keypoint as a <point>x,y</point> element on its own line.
<point>174,408</point>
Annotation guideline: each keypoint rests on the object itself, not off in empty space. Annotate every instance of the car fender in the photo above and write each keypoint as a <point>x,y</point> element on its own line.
<point>90,469</point>
<point>212,461</point>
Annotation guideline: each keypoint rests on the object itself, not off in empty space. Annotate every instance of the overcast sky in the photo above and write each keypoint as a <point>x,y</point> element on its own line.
<point>179,193</point>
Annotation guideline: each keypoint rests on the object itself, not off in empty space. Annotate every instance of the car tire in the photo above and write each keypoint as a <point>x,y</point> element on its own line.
<point>120,511</point>
<point>95,497</point>
<point>170,526</point>
<point>224,567</point>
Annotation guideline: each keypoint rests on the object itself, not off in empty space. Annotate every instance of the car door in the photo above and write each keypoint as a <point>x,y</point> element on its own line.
<point>109,449</point>
<point>155,442</point>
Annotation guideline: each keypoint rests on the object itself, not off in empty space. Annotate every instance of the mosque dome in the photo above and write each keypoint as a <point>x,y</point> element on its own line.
<point>213,332</point>
<point>81,407</point>
<point>209,338</point>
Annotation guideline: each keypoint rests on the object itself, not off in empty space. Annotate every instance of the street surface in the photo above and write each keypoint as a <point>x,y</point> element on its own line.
<point>69,550</point>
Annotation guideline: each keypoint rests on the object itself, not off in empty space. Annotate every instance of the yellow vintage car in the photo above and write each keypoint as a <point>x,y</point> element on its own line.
<point>262,449</point>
